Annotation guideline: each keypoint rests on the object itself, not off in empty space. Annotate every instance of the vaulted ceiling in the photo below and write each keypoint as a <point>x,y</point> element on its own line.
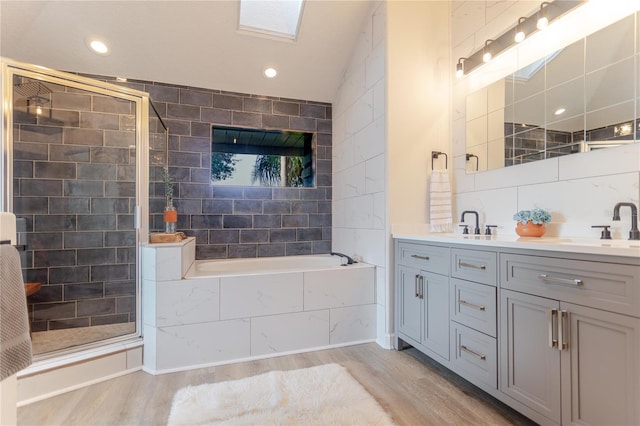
<point>191,43</point>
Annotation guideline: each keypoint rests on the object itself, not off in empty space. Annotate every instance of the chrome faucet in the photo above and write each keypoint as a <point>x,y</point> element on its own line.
<point>477,228</point>
<point>634,234</point>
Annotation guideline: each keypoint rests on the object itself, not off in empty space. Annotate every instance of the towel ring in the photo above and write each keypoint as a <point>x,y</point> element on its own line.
<point>436,154</point>
<point>470,156</point>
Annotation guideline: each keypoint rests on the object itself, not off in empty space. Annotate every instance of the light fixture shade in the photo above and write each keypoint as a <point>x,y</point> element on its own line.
<point>520,35</point>
<point>460,68</point>
<point>487,55</point>
<point>543,22</point>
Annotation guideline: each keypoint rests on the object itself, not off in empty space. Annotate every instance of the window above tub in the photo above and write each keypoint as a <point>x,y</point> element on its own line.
<point>256,157</point>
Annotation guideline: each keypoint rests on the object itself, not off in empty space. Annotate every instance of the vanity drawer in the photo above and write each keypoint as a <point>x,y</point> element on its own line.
<point>475,265</point>
<point>474,305</point>
<point>610,286</point>
<point>429,258</point>
<point>475,356</point>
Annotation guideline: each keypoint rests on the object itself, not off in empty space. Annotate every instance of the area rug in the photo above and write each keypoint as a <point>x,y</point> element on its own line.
<point>322,395</point>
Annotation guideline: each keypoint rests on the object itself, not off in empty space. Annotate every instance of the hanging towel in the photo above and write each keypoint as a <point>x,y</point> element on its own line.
<point>15,344</point>
<point>441,219</point>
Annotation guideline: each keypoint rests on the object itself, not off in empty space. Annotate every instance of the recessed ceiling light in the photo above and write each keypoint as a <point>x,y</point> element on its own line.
<point>559,111</point>
<point>98,46</point>
<point>270,72</point>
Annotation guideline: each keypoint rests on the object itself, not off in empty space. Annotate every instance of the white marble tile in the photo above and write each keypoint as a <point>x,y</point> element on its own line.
<point>360,114</point>
<point>621,159</point>
<point>383,328</point>
<point>459,137</point>
<point>370,142</point>
<point>148,302</point>
<point>187,301</point>
<point>188,255</point>
<point>150,347</point>
<point>168,263</point>
<point>350,182</point>
<point>591,203</point>
<point>343,155</point>
<point>374,66</point>
<point>148,258</point>
<point>255,295</point>
<point>379,210</point>
<point>371,245</point>
<point>352,89</point>
<point>359,212</point>
<point>346,286</point>
<point>375,176</point>
<point>524,174</point>
<point>378,24</point>
<point>379,100</point>
<point>381,286</point>
<point>353,323</point>
<point>289,332</point>
<point>495,207</point>
<point>203,343</point>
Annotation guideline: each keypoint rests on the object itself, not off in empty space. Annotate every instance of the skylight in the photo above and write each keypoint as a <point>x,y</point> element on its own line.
<point>273,17</point>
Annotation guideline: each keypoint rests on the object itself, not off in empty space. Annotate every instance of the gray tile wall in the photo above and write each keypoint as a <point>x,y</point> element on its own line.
<point>74,195</point>
<point>235,221</point>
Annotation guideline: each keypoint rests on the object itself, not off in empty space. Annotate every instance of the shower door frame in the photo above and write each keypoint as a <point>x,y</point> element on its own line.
<point>8,69</point>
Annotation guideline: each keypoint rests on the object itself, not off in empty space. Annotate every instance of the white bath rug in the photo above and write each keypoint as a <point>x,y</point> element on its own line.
<point>322,395</point>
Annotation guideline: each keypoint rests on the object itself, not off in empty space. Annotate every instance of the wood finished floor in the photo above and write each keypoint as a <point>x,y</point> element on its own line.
<point>408,385</point>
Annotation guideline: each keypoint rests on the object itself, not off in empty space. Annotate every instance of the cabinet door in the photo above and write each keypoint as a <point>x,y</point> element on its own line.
<point>409,304</point>
<point>601,368</point>
<point>435,334</point>
<point>529,367</point>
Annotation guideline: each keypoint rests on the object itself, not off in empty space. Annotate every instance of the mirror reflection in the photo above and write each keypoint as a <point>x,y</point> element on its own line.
<point>582,97</point>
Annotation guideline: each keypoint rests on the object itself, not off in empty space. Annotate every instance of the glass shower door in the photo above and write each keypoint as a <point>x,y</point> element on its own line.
<point>75,195</point>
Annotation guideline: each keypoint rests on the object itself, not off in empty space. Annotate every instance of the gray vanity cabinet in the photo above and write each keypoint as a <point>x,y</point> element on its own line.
<point>530,368</point>
<point>422,298</point>
<point>571,363</point>
<point>553,334</point>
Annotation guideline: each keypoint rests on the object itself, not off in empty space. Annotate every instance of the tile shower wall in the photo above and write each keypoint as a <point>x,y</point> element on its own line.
<point>74,195</point>
<point>235,221</point>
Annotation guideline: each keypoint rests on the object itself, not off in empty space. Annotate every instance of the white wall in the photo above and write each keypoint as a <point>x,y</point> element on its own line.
<point>579,190</point>
<point>392,109</point>
<point>359,179</point>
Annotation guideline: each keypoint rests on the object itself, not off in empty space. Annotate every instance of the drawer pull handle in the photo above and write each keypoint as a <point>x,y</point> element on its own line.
<point>470,352</point>
<point>462,264</point>
<point>416,256</point>
<point>545,277</point>
<point>471,305</point>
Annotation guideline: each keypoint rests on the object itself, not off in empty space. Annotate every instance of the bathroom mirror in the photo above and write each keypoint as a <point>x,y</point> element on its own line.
<point>584,96</point>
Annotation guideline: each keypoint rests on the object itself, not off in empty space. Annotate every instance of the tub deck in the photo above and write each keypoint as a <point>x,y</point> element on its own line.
<point>237,310</point>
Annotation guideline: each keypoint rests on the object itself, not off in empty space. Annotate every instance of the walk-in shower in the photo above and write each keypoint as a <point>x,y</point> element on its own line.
<point>75,171</point>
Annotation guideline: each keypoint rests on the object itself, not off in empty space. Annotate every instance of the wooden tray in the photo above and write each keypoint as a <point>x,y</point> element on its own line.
<point>162,237</point>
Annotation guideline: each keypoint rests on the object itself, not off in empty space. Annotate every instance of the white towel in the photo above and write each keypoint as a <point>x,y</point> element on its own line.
<point>15,343</point>
<point>440,219</point>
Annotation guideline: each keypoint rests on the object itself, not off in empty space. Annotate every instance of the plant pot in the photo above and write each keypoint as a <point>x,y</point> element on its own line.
<point>530,229</point>
<point>170,218</point>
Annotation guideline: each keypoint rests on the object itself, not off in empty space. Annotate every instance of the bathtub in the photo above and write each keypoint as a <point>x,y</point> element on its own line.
<point>263,265</point>
<point>225,311</point>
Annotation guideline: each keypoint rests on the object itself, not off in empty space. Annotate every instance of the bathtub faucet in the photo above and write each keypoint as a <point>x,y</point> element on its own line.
<point>350,261</point>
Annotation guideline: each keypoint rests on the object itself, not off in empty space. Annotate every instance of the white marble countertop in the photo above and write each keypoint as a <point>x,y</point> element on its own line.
<point>628,248</point>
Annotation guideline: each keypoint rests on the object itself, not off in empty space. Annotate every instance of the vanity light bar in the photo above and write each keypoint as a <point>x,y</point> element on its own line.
<point>524,28</point>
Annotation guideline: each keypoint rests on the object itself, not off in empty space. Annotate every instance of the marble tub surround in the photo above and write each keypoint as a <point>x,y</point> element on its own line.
<point>616,247</point>
<point>168,261</point>
<point>206,319</point>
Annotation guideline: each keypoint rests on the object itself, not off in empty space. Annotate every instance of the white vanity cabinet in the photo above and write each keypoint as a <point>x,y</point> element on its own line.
<point>422,298</point>
<point>570,338</point>
<point>551,332</point>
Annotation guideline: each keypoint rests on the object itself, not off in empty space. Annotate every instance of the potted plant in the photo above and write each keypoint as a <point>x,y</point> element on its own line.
<point>531,223</point>
<point>170,214</point>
